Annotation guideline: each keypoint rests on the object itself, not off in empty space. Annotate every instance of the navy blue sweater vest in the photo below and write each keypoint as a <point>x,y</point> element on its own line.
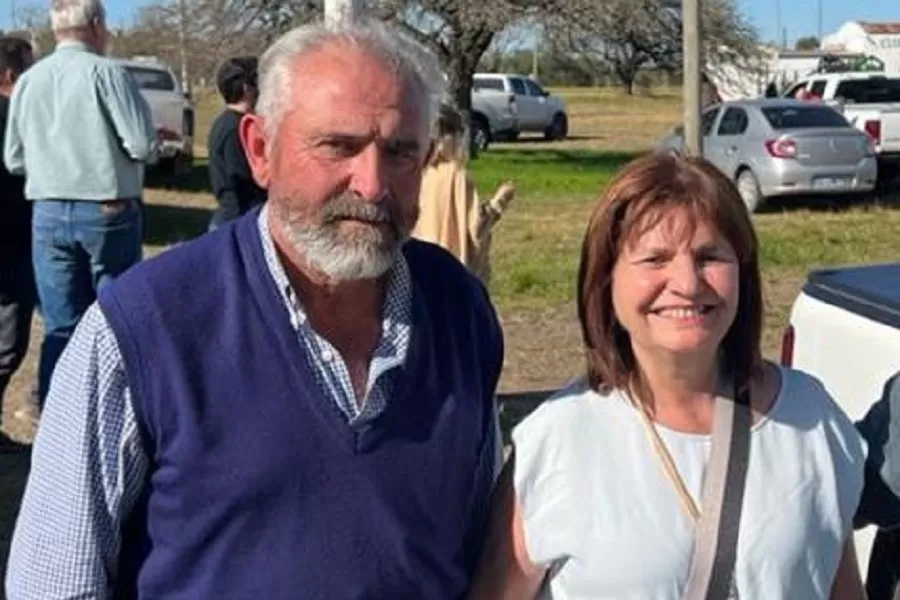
<point>258,487</point>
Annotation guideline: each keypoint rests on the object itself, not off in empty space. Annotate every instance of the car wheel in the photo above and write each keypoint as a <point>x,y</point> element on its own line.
<point>480,135</point>
<point>748,188</point>
<point>558,129</point>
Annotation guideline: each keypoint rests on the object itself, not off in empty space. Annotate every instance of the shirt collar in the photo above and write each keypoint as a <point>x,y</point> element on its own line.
<point>397,307</point>
<point>75,45</point>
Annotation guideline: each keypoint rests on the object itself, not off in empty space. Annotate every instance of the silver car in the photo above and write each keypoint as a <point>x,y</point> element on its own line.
<point>781,147</point>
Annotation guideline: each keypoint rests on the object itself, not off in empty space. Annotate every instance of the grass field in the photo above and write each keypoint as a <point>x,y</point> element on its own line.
<point>536,246</point>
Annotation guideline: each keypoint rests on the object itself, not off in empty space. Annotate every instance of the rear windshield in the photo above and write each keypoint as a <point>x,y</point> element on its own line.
<point>491,83</point>
<point>800,117</point>
<point>152,79</point>
<point>869,91</point>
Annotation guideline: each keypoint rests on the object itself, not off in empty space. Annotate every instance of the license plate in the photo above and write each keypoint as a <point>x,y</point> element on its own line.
<point>832,183</point>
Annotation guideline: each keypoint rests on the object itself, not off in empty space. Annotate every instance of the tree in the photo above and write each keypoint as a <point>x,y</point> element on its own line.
<point>623,37</point>
<point>809,42</point>
<point>458,31</point>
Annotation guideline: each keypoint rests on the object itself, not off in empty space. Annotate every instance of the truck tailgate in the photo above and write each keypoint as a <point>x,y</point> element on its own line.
<point>890,130</point>
<point>872,291</point>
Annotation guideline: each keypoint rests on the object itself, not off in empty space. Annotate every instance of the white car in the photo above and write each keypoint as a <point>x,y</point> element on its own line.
<point>172,109</point>
<point>526,105</point>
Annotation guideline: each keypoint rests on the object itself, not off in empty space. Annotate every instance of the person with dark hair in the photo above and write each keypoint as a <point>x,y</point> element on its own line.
<point>17,291</point>
<point>681,463</point>
<point>229,172</point>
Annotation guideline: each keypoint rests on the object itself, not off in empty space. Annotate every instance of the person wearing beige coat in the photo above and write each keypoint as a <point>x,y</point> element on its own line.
<point>451,213</point>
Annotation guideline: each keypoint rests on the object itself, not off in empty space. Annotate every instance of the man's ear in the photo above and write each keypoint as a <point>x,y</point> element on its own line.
<point>256,147</point>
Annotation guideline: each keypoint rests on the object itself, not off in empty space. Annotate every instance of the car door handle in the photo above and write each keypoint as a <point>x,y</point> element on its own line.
<point>732,150</point>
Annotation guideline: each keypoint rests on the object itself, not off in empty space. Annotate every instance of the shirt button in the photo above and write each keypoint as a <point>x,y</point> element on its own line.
<point>327,355</point>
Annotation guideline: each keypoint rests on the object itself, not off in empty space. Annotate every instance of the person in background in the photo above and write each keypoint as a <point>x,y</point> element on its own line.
<point>229,172</point>
<point>299,404</point>
<point>450,213</point>
<point>80,132</point>
<point>602,496</point>
<point>880,503</point>
<point>17,293</point>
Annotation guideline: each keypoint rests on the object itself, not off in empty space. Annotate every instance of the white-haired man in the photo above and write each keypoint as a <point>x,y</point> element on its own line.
<point>299,404</point>
<point>79,131</point>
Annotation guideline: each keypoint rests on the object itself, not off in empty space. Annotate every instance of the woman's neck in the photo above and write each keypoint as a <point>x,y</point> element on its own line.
<point>679,391</point>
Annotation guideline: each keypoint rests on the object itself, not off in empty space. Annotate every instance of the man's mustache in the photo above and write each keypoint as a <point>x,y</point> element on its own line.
<point>344,207</point>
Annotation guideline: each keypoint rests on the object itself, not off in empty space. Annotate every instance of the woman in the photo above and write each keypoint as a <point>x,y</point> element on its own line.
<point>450,213</point>
<point>600,497</point>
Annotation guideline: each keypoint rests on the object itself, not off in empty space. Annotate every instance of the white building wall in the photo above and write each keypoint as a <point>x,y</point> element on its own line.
<point>853,38</point>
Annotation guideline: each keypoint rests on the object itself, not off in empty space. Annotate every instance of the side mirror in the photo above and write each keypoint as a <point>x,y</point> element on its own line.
<point>545,93</point>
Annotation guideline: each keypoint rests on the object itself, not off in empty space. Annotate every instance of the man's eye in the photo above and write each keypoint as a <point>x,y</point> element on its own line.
<point>340,148</point>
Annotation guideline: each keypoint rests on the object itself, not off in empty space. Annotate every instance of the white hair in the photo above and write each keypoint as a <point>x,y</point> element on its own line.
<point>412,62</point>
<point>75,14</point>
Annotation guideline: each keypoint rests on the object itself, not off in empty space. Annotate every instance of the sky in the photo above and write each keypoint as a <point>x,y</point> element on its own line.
<point>800,17</point>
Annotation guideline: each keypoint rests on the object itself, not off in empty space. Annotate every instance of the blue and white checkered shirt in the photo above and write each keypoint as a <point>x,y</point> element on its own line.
<point>88,464</point>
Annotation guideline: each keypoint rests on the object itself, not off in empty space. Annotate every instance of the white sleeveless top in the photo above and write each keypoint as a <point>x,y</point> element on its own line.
<point>601,514</point>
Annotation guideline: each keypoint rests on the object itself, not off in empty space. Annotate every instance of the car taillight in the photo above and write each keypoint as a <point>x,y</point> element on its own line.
<point>783,147</point>
<point>873,128</point>
<point>787,346</point>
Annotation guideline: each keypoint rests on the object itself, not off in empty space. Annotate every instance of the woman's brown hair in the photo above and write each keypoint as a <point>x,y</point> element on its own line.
<point>644,192</point>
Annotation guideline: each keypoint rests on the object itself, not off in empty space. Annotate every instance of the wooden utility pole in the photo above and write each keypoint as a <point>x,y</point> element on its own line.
<point>183,47</point>
<point>336,10</point>
<point>693,76</point>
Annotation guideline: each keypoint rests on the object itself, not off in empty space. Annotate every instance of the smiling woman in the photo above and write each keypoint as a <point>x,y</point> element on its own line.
<point>608,493</point>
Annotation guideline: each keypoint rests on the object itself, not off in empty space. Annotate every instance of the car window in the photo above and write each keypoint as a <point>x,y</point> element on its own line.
<point>708,120</point>
<point>152,79</point>
<point>869,91</point>
<point>818,88</point>
<point>800,117</point>
<point>734,121</point>
<point>533,88</point>
<point>518,86</point>
<point>488,83</point>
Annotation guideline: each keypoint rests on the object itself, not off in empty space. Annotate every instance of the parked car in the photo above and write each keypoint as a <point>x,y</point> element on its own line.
<point>844,329</point>
<point>506,105</point>
<point>869,100</point>
<point>173,111</point>
<point>780,147</point>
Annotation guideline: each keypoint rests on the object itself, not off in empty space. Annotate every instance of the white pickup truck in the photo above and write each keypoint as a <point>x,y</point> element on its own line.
<point>172,109</point>
<point>870,100</point>
<point>845,330</point>
<point>505,105</point>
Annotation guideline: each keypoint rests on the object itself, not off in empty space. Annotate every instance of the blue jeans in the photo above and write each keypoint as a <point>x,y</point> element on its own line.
<point>78,247</point>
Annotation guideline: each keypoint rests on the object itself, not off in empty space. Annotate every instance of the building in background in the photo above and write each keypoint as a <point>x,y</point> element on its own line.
<point>877,39</point>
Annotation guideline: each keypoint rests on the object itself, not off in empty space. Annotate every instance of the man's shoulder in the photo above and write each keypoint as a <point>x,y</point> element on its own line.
<point>190,265</point>
<point>433,264</point>
<point>441,276</point>
<point>224,125</point>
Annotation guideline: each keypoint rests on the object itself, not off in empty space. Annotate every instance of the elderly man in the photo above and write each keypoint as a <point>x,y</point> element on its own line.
<point>80,131</point>
<point>299,404</point>
<point>17,293</point>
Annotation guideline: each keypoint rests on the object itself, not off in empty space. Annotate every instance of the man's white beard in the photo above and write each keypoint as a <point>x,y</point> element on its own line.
<point>340,259</point>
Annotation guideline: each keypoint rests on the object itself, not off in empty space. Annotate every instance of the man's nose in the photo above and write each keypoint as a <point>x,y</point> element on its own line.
<point>368,179</point>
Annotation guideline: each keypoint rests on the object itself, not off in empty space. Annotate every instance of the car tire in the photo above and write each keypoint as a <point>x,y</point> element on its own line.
<point>558,129</point>
<point>748,188</point>
<point>479,135</point>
